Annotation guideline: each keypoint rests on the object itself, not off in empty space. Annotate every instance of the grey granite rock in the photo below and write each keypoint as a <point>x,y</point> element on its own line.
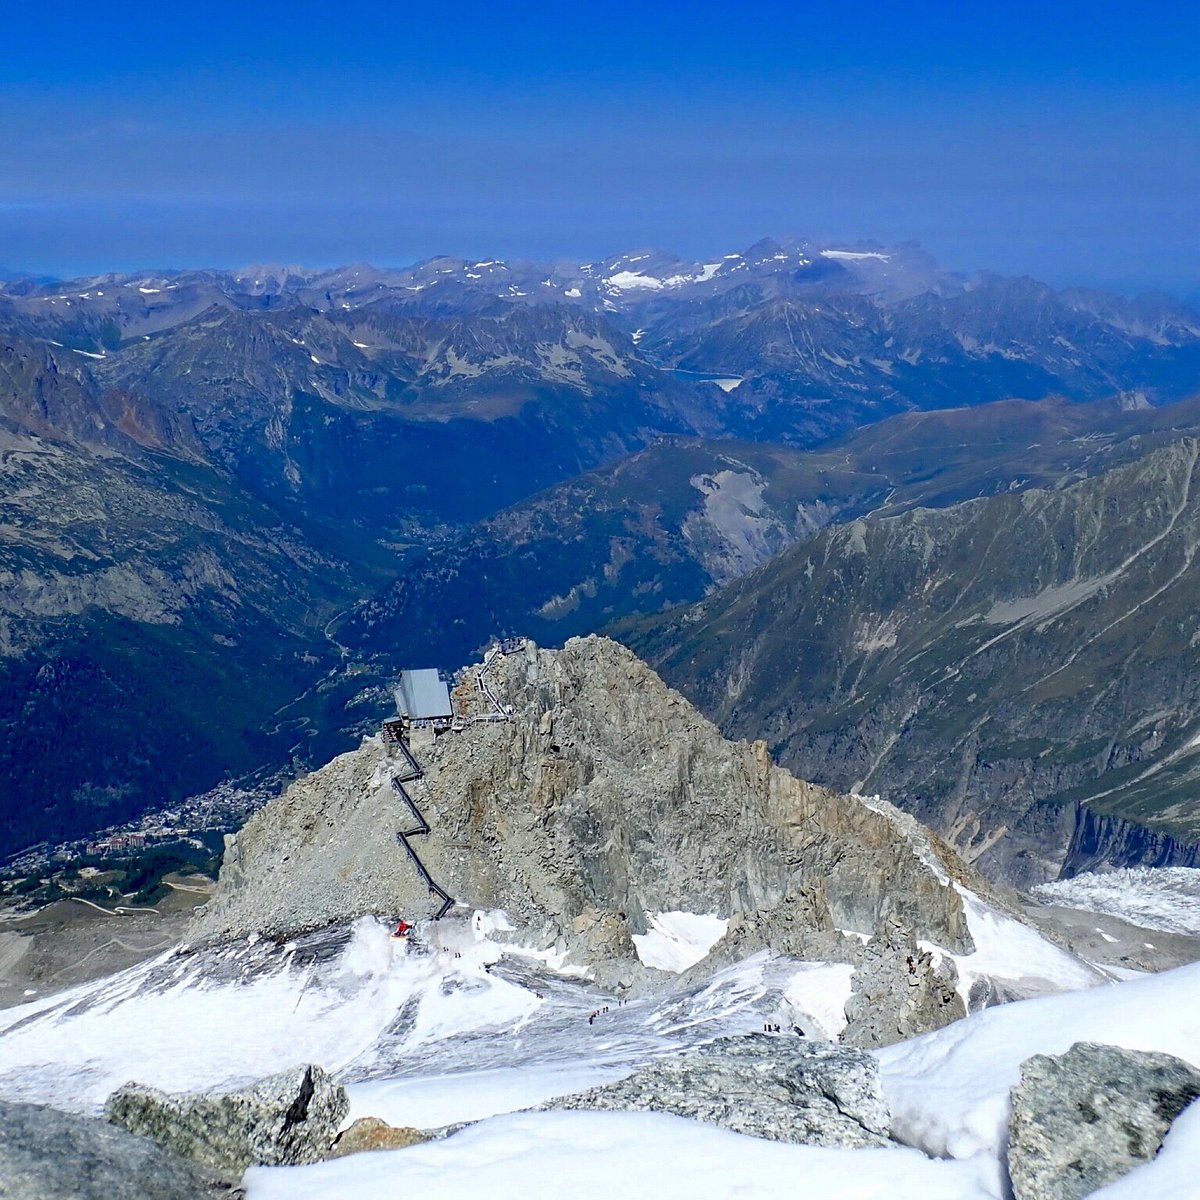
<point>292,1117</point>
<point>898,991</point>
<point>779,1087</point>
<point>1087,1117</point>
<point>607,798</point>
<point>50,1155</point>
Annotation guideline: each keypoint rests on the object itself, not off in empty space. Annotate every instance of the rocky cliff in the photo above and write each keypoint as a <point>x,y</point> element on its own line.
<point>605,799</point>
<point>1102,841</point>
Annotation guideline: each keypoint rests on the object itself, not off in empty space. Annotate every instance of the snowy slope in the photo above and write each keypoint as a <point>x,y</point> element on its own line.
<point>451,1035</point>
<point>676,941</point>
<point>949,1093</point>
<point>473,1030</point>
<point>354,1002</point>
<point>1008,950</point>
<point>601,1156</point>
<point>949,1089</point>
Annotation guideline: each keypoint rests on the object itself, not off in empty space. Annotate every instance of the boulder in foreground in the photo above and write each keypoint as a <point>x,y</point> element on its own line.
<point>50,1155</point>
<point>1087,1117</point>
<point>292,1117</point>
<point>782,1088</point>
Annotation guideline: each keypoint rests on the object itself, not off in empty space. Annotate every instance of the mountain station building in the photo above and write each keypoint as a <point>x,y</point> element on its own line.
<point>423,696</point>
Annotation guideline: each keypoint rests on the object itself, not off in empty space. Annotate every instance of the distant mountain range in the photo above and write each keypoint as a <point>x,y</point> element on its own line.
<point>234,502</point>
<point>670,524</point>
<point>808,340</point>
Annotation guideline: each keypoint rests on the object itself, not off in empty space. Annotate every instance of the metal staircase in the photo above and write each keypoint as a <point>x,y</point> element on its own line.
<point>412,770</point>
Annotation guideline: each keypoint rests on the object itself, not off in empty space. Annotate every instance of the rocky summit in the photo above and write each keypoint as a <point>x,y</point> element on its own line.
<point>602,802</point>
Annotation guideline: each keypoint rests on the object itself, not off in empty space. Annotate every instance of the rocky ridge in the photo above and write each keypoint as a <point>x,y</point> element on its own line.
<point>670,524</point>
<point>1017,671</point>
<point>783,1089</point>
<point>605,800</point>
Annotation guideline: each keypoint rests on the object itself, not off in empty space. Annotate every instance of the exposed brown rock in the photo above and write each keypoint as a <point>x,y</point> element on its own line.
<point>371,1133</point>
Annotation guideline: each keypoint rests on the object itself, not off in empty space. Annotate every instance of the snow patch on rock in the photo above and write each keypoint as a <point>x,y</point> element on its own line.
<point>1006,949</point>
<point>678,940</point>
<point>817,995</point>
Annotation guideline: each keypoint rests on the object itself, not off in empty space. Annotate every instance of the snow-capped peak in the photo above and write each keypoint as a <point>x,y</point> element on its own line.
<point>856,255</point>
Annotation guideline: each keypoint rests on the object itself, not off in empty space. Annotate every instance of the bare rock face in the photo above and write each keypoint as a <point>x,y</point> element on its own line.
<point>50,1155</point>
<point>1087,1117</point>
<point>606,798</point>
<point>898,992</point>
<point>782,1088</point>
<point>370,1133</point>
<point>292,1117</point>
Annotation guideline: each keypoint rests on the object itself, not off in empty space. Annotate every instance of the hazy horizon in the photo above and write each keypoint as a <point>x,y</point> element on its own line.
<point>11,274</point>
<point>1053,141</point>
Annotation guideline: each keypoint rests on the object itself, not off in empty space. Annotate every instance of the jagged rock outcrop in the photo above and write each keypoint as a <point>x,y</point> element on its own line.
<point>1087,1117</point>
<point>606,798</point>
<point>50,1155</point>
<point>782,1088</point>
<point>898,992</point>
<point>292,1117</point>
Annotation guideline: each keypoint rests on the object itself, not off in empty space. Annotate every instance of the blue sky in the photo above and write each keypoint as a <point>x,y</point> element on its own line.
<point>1057,139</point>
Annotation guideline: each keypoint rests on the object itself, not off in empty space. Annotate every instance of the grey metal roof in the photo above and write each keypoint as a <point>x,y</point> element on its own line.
<point>423,695</point>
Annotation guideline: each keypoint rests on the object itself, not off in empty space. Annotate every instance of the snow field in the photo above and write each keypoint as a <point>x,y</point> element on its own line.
<point>456,1034</point>
<point>429,1102</point>
<point>678,940</point>
<point>414,1032</point>
<point>855,255</point>
<point>948,1090</point>
<point>1007,949</point>
<point>599,1156</point>
<point>817,996</point>
<point>184,1036</point>
<point>225,1018</point>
